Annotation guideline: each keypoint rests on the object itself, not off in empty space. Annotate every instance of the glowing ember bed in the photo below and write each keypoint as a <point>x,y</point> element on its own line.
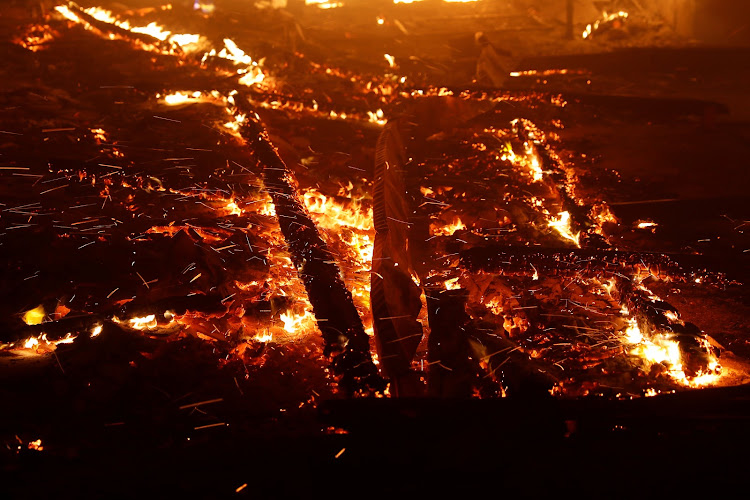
<point>171,205</point>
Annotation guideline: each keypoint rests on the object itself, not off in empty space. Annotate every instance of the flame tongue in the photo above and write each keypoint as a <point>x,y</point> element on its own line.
<point>561,224</point>
<point>689,360</point>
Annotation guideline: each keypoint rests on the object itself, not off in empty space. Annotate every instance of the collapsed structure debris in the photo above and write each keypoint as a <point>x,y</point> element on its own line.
<point>290,220</point>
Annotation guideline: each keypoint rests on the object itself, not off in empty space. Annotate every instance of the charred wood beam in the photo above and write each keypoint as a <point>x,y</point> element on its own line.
<point>146,42</point>
<point>337,317</point>
<point>206,304</point>
<point>552,261</point>
<point>394,295</point>
<point>105,27</point>
<point>69,326</point>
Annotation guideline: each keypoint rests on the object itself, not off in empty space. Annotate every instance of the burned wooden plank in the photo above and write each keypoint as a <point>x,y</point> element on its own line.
<point>109,28</point>
<point>394,296</point>
<point>338,319</point>
<point>518,260</point>
<point>581,222</point>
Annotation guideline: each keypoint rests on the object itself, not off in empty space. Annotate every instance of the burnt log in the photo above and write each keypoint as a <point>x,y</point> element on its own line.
<point>338,319</point>
<point>518,260</point>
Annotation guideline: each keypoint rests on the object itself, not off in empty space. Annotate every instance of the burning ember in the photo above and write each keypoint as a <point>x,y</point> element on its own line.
<point>615,19</point>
